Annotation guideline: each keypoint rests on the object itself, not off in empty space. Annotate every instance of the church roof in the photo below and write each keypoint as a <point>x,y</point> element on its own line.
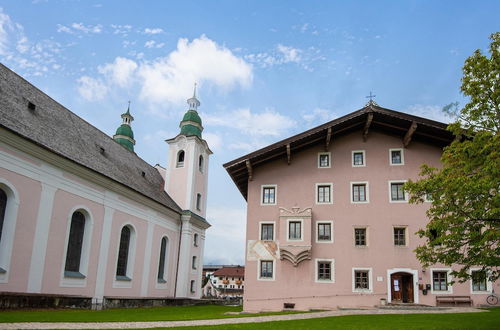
<point>369,118</point>
<point>31,114</point>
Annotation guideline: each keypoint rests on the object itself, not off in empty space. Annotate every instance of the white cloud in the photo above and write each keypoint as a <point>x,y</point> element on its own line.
<point>290,54</point>
<point>318,116</point>
<point>120,71</point>
<point>433,112</point>
<point>280,55</point>
<point>6,26</point>
<point>153,31</point>
<point>154,44</point>
<point>91,89</point>
<point>80,27</point>
<point>214,140</point>
<point>121,29</point>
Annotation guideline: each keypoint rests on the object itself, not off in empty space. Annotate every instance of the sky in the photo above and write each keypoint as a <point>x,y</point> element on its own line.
<point>265,70</point>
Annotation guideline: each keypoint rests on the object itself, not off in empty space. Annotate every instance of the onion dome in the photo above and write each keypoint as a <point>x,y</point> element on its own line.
<point>191,122</point>
<point>124,134</point>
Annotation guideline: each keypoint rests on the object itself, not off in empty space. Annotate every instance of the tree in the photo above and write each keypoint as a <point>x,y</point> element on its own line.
<point>464,226</point>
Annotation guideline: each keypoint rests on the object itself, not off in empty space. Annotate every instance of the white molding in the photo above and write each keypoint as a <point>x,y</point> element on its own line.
<point>42,229</point>
<point>262,194</point>
<point>273,278</point>
<point>9,228</point>
<point>146,268</point>
<point>370,280</point>
<point>332,239</point>
<point>104,253</point>
<point>367,192</point>
<point>332,270</point>
<point>267,223</point>
<point>402,156</point>
<point>301,230</point>
<point>329,184</point>
<point>329,159</point>
<point>448,280</point>
<point>489,284</point>
<point>405,270</point>
<point>352,158</point>
<point>390,182</point>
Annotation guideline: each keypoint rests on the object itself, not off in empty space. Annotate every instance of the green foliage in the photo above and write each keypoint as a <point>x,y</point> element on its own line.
<point>464,227</point>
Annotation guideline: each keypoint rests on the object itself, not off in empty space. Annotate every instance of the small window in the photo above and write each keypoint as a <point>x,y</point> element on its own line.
<point>324,160</point>
<point>361,280</point>
<point>3,207</point>
<point>324,193</point>
<point>200,163</point>
<point>193,264</point>
<point>324,270</point>
<point>400,236</point>
<point>161,262</point>
<point>267,231</point>
<point>324,231</point>
<point>295,230</point>
<point>268,195</point>
<point>123,252</point>
<point>479,280</point>
<point>396,156</point>
<point>192,288</point>
<point>195,239</point>
<point>358,158</point>
<point>397,192</point>
<point>266,269</point>
<point>75,243</point>
<point>198,202</point>
<point>180,158</point>
<point>440,280</point>
<point>359,194</point>
<point>360,236</point>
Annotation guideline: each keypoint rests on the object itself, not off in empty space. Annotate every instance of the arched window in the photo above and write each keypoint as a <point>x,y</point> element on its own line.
<point>123,252</point>
<point>180,158</point>
<point>3,207</point>
<point>198,202</point>
<point>75,243</point>
<point>193,265</point>
<point>162,261</point>
<point>200,163</point>
<point>195,240</point>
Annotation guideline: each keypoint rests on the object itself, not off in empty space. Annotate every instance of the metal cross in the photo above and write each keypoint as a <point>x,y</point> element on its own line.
<point>371,96</point>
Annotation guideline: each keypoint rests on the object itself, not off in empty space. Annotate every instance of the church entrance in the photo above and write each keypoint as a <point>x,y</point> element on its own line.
<point>402,287</point>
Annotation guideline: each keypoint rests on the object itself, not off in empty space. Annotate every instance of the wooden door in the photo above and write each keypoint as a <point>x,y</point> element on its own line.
<point>396,287</point>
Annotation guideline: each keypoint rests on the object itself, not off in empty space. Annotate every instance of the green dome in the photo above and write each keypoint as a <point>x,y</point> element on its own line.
<point>192,115</point>
<point>126,143</point>
<point>190,130</point>
<point>125,130</point>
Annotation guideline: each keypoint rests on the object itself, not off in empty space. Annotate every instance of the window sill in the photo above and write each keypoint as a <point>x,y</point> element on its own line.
<point>161,281</point>
<point>73,274</point>
<point>123,278</point>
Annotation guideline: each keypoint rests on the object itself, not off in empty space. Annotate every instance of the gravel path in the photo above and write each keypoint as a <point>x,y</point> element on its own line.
<point>256,319</point>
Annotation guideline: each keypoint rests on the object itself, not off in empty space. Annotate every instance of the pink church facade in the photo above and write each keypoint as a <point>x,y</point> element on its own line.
<point>328,223</point>
<point>83,216</point>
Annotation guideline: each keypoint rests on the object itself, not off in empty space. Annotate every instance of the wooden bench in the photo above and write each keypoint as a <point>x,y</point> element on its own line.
<point>453,300</point>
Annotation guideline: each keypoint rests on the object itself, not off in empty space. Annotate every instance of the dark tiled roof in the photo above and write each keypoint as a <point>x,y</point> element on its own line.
<point>57,129</point>
<point>230,271</point>
<point>378,119</point>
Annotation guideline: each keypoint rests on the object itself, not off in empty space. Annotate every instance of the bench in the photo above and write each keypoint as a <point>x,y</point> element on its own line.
<point>453,300</point>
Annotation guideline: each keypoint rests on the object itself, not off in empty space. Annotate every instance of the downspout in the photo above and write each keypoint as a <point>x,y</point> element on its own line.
<point>178,258</point>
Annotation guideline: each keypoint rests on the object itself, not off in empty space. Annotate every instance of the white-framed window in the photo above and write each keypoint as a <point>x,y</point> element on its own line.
<point>9,209</point>
<point>266,230</point>
<point>400,235</point>
<point>325,271</point>
<point>324,193</point>
<point>397,194</point>
<point>358,158</point>
<point>441,279</point>
<point>162,260</point>
<point>195,239</point>
<point>265,270</point>
<point>194,263</point>
<point>359,192</point>
<point>324,231</point>
<point>396,156</point>
<point>294,230</point>
<point>126,255</point>
<point>362,280</point>
<point>360,236</point>
<point>479,283</point>
<point>180,158</point>
<point>268,194</point>
<point>324,160</point>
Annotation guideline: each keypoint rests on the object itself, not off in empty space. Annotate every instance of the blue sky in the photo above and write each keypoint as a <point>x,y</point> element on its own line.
<point>265,70</point>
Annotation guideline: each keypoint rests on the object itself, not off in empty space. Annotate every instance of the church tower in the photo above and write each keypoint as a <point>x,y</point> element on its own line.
<point>187,169</point>
<point>124,134</point>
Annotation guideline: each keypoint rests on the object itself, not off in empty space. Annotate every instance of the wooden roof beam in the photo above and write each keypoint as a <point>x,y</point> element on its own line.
<point>368,122</point>
<point>249,169</point>
<point>409,134</point>
<point>328,138</point>
<point>288,154</point>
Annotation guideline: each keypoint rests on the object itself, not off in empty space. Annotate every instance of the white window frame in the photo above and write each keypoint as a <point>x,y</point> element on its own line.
<point>370,280</point>
<point>130,258</point>
<point>179,164</point>
<point>267,223</point>
<point>402,156</point>
<point>390,182</point>
<point>364,158</point>
<point>301,230</point>
<point>330,222</point>
<point>367,192</point>
<point>367,241</point>
<point>332,270</point>
<point>9,228</point>
<point>73,282</point>
<point>317,193</point>
<point>266,278</point>
<point>194,263</point>
<point>329,154</point>
<point>163,284</point>
<point>405,227</point>
<point>262,194</point>
<point>489,284</point>
<point>448,280</point>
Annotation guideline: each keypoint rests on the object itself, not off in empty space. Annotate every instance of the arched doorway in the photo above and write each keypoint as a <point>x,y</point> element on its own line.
<point>402,287</point>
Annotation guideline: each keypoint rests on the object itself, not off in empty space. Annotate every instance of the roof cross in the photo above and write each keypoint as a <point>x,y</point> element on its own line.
<point>371,96</point>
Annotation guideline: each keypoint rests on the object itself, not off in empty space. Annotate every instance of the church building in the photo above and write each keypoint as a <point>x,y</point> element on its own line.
<point>83,217</point>
<point>328,221</point>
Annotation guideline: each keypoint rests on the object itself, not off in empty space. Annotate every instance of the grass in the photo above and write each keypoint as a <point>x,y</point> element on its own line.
<point>171,313</point>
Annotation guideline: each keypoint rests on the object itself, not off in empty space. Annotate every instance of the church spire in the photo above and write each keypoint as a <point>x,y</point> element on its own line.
<point>191,122</point>
<point>193,102</point>
<point>124,134</point>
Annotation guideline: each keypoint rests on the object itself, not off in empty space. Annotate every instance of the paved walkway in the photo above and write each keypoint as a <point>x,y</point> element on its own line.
<point>255,319</point>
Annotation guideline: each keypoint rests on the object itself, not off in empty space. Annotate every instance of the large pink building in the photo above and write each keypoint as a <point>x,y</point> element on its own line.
<point>83,216</point>
<point>329,224</point>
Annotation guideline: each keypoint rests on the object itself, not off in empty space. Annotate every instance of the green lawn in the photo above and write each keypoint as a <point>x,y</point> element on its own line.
<point>172,313</point>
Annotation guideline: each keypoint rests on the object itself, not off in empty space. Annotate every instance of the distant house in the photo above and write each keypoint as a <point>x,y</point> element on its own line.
<point>82,215</point>
<point>329,223</point>
<point>228,281</point>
